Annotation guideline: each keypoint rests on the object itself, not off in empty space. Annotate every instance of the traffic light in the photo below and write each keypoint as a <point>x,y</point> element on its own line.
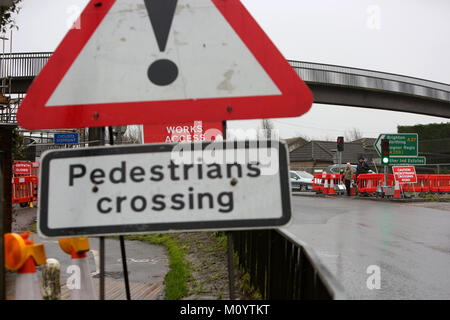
<point>340,143</point>
<point>385,151</point>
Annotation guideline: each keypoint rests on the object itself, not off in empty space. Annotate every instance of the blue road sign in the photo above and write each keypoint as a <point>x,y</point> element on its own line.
<point>66,138</point>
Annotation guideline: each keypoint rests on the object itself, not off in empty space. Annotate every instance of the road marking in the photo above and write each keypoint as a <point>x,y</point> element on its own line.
<point>151,261</point>
<point>328,255</point>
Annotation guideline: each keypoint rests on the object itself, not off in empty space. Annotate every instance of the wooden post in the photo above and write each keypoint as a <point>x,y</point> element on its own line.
<point>5,195</point>
<point>51,287</point>
<point>2,246</point>
<point>6,147</point>
<point>230,265</point>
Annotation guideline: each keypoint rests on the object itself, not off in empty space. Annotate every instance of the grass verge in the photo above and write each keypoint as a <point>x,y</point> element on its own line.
<point>434,197</point>
<point>176,279</point>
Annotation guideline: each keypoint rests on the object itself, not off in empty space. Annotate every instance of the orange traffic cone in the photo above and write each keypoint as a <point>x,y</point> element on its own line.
<point>325,185</point>
<point>397,193</point>
<point>80,283</point>
<point>22,255</point>
<point>331,190</point>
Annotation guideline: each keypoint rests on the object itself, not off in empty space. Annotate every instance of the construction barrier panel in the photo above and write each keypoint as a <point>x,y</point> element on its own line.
<point>368,183</point>
<point>422,184</point>
<point>433,181</point>
<point>22,190</point>
<point>35,166</point>
<point>25,181</point>
<point>317,182</point>
<point>34,186</point>
<point>443,182</point>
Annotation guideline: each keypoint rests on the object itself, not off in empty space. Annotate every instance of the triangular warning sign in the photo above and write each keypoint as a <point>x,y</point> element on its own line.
<point>156,61</point>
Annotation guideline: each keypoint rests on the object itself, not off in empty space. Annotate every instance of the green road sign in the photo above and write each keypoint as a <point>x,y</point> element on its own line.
<point>407,160</point>
<point>400,145</point>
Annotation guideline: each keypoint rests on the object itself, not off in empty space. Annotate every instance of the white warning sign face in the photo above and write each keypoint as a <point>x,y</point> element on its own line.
<point>161,61</point>
<point>146,69</point>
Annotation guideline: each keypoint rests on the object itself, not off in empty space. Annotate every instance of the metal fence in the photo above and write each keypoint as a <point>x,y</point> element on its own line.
<point>281,268</point>
<point>19,65</point>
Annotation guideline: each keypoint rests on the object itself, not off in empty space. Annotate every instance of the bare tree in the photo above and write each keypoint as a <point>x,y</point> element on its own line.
<point>267,128</point>
<point>353,134</point>
<point>132,135</point>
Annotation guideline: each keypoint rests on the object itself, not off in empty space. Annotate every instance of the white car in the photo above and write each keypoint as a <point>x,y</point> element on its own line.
<point>295,181</point>
<point>301,180</point>
<point>306,179</point>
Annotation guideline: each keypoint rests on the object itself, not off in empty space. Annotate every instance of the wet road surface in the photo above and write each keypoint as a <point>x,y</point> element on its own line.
<point>410,245</point>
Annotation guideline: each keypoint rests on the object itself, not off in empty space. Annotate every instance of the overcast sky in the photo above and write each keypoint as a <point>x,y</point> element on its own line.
<point>408,37</point>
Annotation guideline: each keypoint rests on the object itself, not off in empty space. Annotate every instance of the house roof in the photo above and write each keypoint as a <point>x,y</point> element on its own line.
<point>294,143</point>
<point>325,151</point>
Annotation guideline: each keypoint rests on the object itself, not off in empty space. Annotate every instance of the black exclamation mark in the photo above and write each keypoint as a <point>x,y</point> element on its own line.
<point>162,72</point>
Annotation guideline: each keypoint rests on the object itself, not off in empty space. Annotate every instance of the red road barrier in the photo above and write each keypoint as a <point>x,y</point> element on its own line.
<point>35,166</point>
<point>25,181</point>
<point>320,179</point>
<point>443,181</point>
<point>22,190</point>
<point>34,187</point>
<point>433,181</point>
<point>422,184</point>
<point>317,182</point>
<point>369,182</point>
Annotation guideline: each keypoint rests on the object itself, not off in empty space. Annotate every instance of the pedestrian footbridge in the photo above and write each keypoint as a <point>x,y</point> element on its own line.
<point>330,84</point>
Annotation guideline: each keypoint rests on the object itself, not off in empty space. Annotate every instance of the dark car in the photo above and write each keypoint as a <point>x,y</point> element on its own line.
<point>334,169</point>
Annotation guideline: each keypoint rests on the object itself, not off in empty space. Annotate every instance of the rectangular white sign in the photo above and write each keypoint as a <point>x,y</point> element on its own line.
<point>405,174</point>
<point>164,187</point>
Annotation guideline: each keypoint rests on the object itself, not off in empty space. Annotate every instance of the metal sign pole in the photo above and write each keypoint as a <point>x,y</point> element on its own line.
<point>386,175</point>
<point>102,268</point>
<point>121,238</point>
<point>98,135</point>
